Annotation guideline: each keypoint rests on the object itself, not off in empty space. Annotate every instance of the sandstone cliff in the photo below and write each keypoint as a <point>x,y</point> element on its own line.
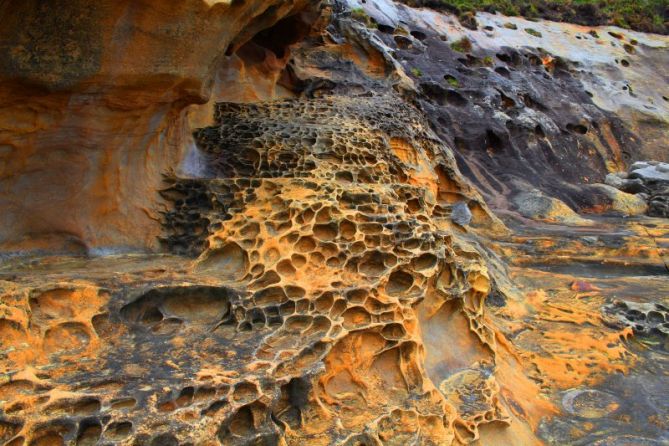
<point>95,105</point>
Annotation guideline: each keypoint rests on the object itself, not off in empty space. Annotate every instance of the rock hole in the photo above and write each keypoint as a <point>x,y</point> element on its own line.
<point>51,439</point>
<point>205,305</point>
<point>185,396</point>
<point>282,35</point>
<point>11,333</point>
<point>325,232</point>
<point>89,432</point>
<point>214,407</point>
<point>505,58</point>
<point>393,332</point>
<point>242,422</point>
<point>67,337</point>
<point>118,430</point>
<point>324,302</point>
<point>344,177</point>
<point>357,296</point>
<point>424,262</point>
<point>285,268</point>
<point>347,229</point>
<point>102,326</point>
<point>503,72</point>
<point>577,128</point>
<point>402,42</point>
<point>493,142</point>
<point>8,430</point>
<point>455,98</point>
<point>230,262</point>
<point>85,406</point>
<point>419,35</point>
<point>245,392</point>
<point>54,304</point>
<point>196,304</point>
<point>385,28</point>
<point>305,244</point>
<point>250,230</point>
<point>298,392</point>
<point>164,440</point>
<point>295,292</point>
<point>507,102</point>
<point>398,283</point>
<point>356,317</point>
<point>123,403</point>
<point>372,264</point>
<point>52,434</point>
<point>452,80</point>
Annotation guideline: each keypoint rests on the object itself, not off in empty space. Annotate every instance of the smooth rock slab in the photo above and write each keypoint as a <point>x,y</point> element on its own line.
<point>659,172</point>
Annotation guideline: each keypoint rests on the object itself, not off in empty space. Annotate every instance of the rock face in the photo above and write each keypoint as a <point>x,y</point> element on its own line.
<point>643,318</point>
<point>93,111</point>
<point>330,215</point>
<point>96,106</point>
<point>535,205</point>
<point>533,105</point>
<point>325,269</point>
<point>329,240</point>
<point>650,181</point>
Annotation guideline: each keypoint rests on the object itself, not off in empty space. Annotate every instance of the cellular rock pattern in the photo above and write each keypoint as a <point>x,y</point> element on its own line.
<point>333,279</point>
<point>326,273</point>
<point>331,220</point>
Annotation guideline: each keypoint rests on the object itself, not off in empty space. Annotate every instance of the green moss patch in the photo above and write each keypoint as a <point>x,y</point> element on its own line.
<point>640,15</point>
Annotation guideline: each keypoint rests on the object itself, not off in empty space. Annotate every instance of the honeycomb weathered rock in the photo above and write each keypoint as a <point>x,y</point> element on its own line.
<point>334,285</point>
<point>332,215</point>
<point>328,276</point>
<point>643,318</point>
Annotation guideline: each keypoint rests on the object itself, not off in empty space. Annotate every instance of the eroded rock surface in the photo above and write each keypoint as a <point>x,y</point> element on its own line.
<point>650,181</point>
<point>94,109</point>
<point>334,213</point>
<point>333,277</point>
<point>533,105</point>
<point>330,263</point>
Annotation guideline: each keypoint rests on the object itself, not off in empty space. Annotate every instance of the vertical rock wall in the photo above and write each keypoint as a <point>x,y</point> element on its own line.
<point>93,111</point>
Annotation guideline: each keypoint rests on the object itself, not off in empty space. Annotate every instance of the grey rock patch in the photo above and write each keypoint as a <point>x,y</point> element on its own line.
<point>461,214</point>
<point>659,172</point>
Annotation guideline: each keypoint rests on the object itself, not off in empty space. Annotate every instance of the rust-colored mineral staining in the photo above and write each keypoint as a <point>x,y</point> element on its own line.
<point>375,239</point>
<point>329,299</point>
<point>348,259</point>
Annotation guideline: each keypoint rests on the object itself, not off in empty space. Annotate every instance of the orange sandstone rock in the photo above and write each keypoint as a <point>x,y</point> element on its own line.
<point>94,109</point>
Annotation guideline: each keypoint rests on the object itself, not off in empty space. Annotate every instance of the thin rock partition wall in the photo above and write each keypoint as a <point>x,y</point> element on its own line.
<point>331,218</point>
